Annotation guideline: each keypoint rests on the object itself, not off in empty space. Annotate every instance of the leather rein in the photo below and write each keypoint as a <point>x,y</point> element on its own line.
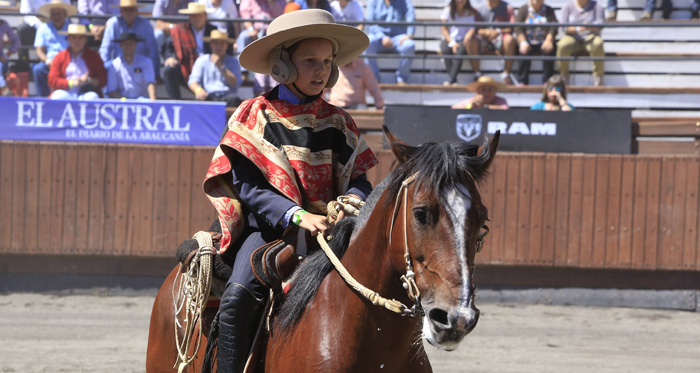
<point>409,279</point>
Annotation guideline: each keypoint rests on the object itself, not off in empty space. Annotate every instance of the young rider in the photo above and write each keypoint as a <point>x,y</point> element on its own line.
<point>286,154</point>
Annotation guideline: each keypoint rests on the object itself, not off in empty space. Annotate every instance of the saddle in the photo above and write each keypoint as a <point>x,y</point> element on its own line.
<point>274,262</point>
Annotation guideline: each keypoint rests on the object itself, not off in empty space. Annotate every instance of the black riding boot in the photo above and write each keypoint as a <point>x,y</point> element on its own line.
<point>238,319</point>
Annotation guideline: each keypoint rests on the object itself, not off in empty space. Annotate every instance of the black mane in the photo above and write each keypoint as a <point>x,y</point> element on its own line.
<point>438,165</point>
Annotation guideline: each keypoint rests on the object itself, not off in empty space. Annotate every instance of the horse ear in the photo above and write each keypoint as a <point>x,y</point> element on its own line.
<point>401,150</point>
<point>489,151</point>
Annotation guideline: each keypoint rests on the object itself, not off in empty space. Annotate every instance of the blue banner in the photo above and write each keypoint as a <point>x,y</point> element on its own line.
<point>109,120</point>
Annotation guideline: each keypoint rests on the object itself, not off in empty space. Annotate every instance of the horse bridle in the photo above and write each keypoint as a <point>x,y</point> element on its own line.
<point>409,279</point>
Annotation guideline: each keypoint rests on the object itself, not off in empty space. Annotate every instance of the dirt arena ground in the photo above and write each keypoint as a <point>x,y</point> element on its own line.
<point>78,333</point>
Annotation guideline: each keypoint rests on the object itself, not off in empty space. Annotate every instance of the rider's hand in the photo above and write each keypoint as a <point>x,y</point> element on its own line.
<point>314,223</point>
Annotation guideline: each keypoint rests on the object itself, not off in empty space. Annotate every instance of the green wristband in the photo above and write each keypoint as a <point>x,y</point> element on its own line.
<point>296,218</point>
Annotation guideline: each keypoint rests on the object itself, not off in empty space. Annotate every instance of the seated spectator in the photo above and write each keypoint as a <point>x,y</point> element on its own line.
<point>354,80</point>
<point>485,98</point>
<point>495,39</point>
<point>49,41</point>
<point>536,40</point>
<point>579,39</point>
<point>390,38</point>
<point>347,11</point>
<point>14,44</point>
<point>185,44</point>
<point>164,8</point>
<point>77,72</point>
<point>251,31</point>
<point>97,8</point>
<point>314,4</point>
<point>649,5</point>
<point>695,9</point>
<point>219,9</point>
<point>131,75</point>
<point>27,30</point>
<point>554,96</point>
<point>216,76</point>
<point>129,21</point>
<point>458,40</point>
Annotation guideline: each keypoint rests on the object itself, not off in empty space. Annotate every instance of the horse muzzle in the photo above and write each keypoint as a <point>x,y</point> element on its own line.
<point>445,329</point>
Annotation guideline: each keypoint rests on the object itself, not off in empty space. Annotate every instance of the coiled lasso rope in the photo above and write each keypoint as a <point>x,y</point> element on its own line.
<point>192,296</point>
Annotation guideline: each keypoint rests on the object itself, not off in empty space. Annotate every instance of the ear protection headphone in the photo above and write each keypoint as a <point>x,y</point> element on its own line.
<point>284,72</point>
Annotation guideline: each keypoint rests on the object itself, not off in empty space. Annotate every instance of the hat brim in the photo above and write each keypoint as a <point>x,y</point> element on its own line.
<point>136,40</point>
<point>352,42</point>
<point>209,40</point>
<point>473,86</point>
<point>187,11</point>
<point>87,33</point>
<point>127,6</point>
<point>45,9</point>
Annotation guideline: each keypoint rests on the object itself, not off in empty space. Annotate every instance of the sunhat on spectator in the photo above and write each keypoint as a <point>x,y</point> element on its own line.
<point>195,8</point>
<point>76,29</point>
<point>45,10</point>
<point>485,80</point>
<point>128,4</point>
<point>218,35</point>
<point>128,36</point>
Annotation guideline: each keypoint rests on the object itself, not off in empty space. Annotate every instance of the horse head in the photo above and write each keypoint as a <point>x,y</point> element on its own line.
<point>438,227</point>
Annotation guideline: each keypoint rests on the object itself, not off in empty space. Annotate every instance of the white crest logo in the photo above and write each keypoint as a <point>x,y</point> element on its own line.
<point>468,126</point>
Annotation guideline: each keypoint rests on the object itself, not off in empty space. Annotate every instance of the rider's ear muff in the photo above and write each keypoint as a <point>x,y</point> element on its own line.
<point>282,68</point>
<point>333,78</point>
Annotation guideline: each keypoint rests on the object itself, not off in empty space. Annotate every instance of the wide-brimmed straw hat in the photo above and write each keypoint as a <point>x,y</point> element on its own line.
<point>485,80</point>
<point>5,3</point>
<point>287,29</point>
<point>195,8</point>
<point>218,35</point>
<point>76,29</point>
<point>45,9</point>
<point>127,4</point>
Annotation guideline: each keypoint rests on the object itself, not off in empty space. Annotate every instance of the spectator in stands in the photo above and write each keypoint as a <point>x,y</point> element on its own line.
<point>485,98</point>
<point>216,76</point>
<point>554,96</point>
<point>347,11</point>
<point>389,38</point>
<point>649,5</point>
<point>219,9</point>
<point>129,21</point>
<point>131,75</point>
<point>496,39</point>
<point>14,44</point>
<point>579,38</point>
<point>77,72</point>
<point>97,8</point>
<point>314,4</point>
<point>251,31</point>
<point>459,40</point>
<point>164,8</point>
<point>27,30</point>
<point>49,41</point>
<point>354,80</point>
<point>536,40</point>
<point>695,9</point>
<point>183,46</point>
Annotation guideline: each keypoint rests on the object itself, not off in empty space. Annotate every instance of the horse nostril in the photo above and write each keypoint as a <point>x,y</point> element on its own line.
<point>439,317</point>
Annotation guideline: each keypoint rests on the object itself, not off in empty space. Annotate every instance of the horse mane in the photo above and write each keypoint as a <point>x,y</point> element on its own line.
<point>438,164</point>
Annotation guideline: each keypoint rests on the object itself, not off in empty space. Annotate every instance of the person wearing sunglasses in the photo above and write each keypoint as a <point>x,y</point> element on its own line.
<point>554,96</point>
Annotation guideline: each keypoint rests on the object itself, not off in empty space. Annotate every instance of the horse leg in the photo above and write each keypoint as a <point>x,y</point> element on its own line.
<point>162,353</point>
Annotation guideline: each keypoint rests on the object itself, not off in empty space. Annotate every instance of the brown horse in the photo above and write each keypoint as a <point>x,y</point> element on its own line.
<point>425,217</point>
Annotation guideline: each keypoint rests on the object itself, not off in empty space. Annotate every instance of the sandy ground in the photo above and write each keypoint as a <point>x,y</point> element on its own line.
<point>50,333</point>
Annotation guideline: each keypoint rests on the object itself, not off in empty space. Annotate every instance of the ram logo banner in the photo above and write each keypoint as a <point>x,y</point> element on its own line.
<point>116,121</point>
<point>468,126</point>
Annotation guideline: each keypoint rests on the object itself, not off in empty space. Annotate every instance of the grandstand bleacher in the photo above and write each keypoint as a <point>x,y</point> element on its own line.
<point>649,85</point>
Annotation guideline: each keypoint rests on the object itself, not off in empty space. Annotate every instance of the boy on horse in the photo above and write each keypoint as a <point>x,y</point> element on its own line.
<point>286,154</point>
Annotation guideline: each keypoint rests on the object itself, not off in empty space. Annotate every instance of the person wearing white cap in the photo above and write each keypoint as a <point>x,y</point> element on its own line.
<point>183,46</point>
<point>216,76</point>
<point>77,72</point>
<point>284,153</point>
<point>129,21</point>
<point>49,41</point>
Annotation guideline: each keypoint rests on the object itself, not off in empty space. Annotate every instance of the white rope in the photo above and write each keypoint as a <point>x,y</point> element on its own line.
<point>192,296</point>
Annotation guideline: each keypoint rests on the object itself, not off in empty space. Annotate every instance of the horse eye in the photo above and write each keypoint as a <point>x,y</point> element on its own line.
<point>420,215</point>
